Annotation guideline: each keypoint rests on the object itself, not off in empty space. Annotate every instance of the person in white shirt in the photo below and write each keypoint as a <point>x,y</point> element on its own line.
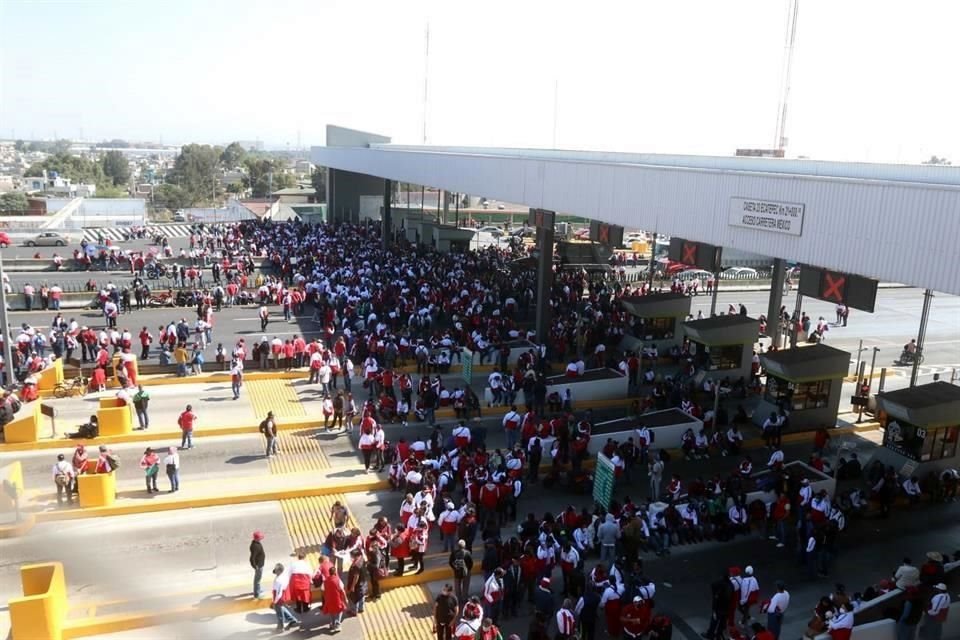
<point>911,487</point>
<point>496,388</point>
<point>581,367</point>
<point>566,620</point>
<point>843,619</point>
<point>749,594</point>
<point>63,475</point>
<point>907,575</point>
<point>776,458</point>
<point>778,605</point>
<point>583,539</point>
<point>280,583</point>
<point>936,613</point>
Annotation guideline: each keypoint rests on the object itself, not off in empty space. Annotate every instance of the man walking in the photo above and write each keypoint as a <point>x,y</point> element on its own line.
<point>777,607</point>
<point>186,421</point>
<point>257,558</point>
<point>63,477</point>
<point>269,430</point>
<point>141,400</point>
<point>462,563</point>
<point>446,608</point>
<point>357,581</point>
<point>721,597</point>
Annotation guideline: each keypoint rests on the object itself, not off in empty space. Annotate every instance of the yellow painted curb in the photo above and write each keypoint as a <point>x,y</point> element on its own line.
<point>210,501</point>
<point>27,520</point>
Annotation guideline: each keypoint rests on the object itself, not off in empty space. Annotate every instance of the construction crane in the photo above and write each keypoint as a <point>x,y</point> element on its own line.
<point>780,138</point>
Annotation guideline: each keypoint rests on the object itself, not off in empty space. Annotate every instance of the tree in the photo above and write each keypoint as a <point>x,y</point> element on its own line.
<point>79,170</point>
<point>265,175</point>
<point>171,196</point>
<point>13,202</point>
<point>937,161</point>
<point>233,155</point>
<point>197,171</point>
<point>110,191</point>
<point>116,170</point>
<point>319,181</point>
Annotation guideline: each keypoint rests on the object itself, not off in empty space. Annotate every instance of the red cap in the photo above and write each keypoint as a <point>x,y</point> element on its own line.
<point>734,571</point>
<point>257,535</point>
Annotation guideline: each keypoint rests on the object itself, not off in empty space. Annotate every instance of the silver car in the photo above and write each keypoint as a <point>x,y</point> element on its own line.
<point>48,239</point>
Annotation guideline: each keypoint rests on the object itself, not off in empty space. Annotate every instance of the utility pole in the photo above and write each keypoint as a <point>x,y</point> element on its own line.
<point>426,79</point>
<point>7,360</point>
<point>780,138</point>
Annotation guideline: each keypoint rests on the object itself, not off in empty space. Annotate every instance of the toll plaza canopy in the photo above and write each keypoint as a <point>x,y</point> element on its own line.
<point>894,223</point>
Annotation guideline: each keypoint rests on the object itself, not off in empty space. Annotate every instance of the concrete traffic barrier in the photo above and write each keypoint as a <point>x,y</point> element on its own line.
<point>51,376</point>
<point>41,612</point>
<point>25,427</point>
<point>115,418</point>
<point>96,489</point>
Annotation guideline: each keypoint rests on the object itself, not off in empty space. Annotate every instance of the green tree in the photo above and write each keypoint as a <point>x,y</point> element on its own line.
<point>265,175</point>
<point>171,196</point>
<point>79,170</point>
<point>110,191</point>
<point>116,170</point>
<point>13,202</point>
<point>197,171</point>
<point>937,161</point>
<point>232,155</point>
<point>319,181</point>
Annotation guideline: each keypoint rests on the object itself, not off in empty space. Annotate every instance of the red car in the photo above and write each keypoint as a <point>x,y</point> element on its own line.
<point>4,240</point>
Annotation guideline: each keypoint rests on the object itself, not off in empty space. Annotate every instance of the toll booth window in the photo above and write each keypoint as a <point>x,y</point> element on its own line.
<point>938,443</point>
<point>797,396</point>
<point>906,439</point>
<point>723,358</point>
<point>658,328</point>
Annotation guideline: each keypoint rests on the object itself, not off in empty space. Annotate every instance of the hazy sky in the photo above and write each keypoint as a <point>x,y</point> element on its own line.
<point>873,80</point>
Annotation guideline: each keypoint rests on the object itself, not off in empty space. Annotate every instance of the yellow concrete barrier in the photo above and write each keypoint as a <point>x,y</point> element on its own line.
<point>97,489</point>
<point>11,484</point>
<point>117,366</point>
<point>40,613</point>
<point>26,426</point>
<point>115,418</point>
<point>51,376</point>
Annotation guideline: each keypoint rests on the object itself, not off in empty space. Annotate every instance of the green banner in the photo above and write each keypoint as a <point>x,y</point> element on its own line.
<point>603,481</point>
<point>466,365</point>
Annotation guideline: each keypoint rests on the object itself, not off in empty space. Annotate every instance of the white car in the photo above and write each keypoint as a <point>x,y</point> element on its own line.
<point>496,232</point>
<point>694,274</point>
<point>740,273</point>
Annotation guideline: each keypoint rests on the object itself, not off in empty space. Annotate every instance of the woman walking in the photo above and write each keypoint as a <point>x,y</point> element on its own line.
<point>172,464</point>
<point>334,599</point>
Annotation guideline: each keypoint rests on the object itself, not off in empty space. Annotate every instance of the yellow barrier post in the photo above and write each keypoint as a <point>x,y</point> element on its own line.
<point>118,365</point>
<point>25,427</point>
<point>96,489</point>
<point>51,376</point>
<point>114,417</point>
<point>40,613</point>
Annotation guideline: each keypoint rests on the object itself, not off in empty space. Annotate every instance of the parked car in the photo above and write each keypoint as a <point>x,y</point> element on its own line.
<point>48,239</point>
<point>4,240</point>
<point>691,274</point>
<point>496,232</point>
<point>739,273</point>
<point>180,216</point>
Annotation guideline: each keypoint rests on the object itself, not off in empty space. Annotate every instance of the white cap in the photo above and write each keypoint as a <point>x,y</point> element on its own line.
<point>748,570</point>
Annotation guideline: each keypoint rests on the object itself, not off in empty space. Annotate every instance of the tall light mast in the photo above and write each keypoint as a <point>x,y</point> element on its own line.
<point>780,138</point>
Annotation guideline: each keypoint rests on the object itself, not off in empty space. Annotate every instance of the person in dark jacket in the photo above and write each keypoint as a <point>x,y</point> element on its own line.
<point>257,558</point>
<point>587,612</point>
<point>491,558</point>
<point>721,594</point>
<point>512,589</point>
<point>461,562</point>
<point>910,614</point>
<point>543,601</point>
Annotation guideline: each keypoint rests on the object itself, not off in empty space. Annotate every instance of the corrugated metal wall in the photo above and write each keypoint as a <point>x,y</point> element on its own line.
<point>894,231</point>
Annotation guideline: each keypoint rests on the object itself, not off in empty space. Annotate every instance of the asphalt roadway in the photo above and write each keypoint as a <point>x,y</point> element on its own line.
<point>894,322</point>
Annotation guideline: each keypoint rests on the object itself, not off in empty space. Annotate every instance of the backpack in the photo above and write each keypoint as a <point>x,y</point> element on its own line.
<point>113,462</point>
<point>459,565</point>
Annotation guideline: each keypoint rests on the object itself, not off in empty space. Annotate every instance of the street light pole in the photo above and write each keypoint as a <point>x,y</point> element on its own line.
<point>7,360</point>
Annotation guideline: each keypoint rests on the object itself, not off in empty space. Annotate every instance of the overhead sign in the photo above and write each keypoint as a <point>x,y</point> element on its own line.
<point>696,254</point>
<point>541,218</point>
<point>603,481</point>
<point>851,290</point>
<point>767,215</point>
<point>610,235</point>
<point>466,365</point>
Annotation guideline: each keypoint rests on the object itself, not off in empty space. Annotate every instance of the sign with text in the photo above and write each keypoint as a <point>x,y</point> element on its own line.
<point>766,215</point>
<point>696,254</point>
<point>603,481</point>
<point>541,218</point>
<point>466,365</point>
<point>851,290</point>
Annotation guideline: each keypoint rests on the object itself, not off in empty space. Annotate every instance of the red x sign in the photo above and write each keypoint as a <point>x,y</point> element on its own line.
<point>833,287</point>
<point>689,253</point>
<point>603,233</point>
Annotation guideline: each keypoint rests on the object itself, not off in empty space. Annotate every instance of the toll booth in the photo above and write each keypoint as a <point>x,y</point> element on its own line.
<point>807,382</point>
<point>449,238</point>
<point>659,317</point>
<point>722,346</point>
<point>921,427</point>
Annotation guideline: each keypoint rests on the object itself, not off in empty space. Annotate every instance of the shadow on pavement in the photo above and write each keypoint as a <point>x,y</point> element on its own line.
<point>244,459</point>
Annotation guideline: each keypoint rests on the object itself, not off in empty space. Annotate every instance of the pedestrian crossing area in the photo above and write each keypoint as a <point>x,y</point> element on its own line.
<point>115,234</point>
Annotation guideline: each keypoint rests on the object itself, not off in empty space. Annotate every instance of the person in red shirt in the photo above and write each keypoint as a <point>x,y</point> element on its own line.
<point>760,632</point>
<point>186,421</point>
<point>636,618</point>
<point>145,339</point>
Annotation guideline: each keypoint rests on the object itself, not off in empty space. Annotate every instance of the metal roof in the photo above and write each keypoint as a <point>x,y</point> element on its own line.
<point>895,223</point>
